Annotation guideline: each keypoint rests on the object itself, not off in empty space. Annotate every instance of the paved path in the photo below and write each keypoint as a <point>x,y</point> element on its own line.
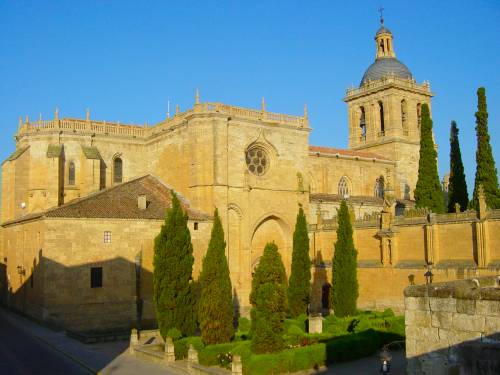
<point>28,348</point>
<point>363,366</point>
<point>22,353</point>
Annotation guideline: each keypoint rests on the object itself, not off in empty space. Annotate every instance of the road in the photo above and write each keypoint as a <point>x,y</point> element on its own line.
<point>23,354</point>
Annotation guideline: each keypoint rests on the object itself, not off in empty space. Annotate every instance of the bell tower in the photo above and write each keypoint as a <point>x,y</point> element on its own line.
<point>384,113</point>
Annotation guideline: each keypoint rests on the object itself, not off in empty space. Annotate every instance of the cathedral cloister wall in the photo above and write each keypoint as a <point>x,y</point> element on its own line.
<point>457,245</point>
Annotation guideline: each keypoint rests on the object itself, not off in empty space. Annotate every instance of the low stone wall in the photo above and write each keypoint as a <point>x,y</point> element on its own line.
<point>453,327</point>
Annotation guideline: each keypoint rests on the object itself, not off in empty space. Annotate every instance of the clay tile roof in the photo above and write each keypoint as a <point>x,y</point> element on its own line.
<point>120,202</point>
<point>91,152</point>
<point>340,151</point>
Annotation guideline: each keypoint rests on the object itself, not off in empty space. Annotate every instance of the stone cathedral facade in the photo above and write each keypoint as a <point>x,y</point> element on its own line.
<point>82,200</point>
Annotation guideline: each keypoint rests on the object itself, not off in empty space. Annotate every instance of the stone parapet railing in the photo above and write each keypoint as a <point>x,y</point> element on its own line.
<point>389,80</point>
<point>145,131</point>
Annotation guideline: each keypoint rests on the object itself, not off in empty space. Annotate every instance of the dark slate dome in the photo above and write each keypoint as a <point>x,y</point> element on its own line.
<point>386,66</point>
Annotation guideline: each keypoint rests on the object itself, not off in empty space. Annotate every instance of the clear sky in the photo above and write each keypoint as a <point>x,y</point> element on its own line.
<point>125,59</point>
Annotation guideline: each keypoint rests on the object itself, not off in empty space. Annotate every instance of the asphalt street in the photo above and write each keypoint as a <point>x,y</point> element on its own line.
<point>23,354</point>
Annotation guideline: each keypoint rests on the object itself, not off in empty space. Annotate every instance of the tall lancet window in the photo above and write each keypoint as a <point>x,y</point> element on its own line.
<point>343,188</point>
<point>71,173</point>
<point>404,117</point>
<point>419,115</point>
<point>379,187</point>
<point>117,170</point>
<point>382,123</point>
<point>362,122</point>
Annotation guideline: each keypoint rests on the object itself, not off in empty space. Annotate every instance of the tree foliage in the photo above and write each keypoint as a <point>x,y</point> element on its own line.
<point>486,172</point>
<point>268,298</point>
<point>344,267</point>
<point>173,290</point>
<point>299,286</point>
<point>216,312</point>
<point>428,192</point>
<point>457,188</point>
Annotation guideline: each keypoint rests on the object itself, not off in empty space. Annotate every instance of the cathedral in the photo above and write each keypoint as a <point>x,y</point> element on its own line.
<point>82,200</point>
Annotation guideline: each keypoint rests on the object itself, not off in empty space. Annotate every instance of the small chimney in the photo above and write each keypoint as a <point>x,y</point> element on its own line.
<point>141,201</point>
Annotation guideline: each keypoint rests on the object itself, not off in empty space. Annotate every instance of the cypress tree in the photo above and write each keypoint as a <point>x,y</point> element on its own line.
<point>268,298</point>
<point>486,172</point>
<point>299,286</point>
<point>216,311</point>
<point>344,267</point>
<point>428,192</point>
<point>457,188</point>
<point>173,290</point>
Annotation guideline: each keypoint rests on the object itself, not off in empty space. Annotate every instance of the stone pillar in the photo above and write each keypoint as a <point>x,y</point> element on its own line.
<point>236,366</point>
<point>482,243</point>
<point>169,350</point>
<point>134,340</point>
<point>315,324</point>
<point>483,250</point>
<point>431,240</point>
<point>192,356</point>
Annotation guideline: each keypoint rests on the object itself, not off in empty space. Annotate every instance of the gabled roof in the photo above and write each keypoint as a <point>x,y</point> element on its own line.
<point>120,202</point>
<point>343,152</point>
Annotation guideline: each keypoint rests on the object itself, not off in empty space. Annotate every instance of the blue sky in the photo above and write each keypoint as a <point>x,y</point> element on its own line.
<point>126,59</point>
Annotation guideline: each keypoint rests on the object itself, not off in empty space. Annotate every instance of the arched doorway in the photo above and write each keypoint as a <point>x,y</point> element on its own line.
<point>271,229</point>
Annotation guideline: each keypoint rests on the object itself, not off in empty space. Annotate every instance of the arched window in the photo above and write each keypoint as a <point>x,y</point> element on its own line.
<point>404,117</point>
<point>379,187</point>
<point>419,114</point>
<point>343,187</point>
<point>382,124</point>
<point>362,122</point>
<point>71,173</point>
<point>117,170</point>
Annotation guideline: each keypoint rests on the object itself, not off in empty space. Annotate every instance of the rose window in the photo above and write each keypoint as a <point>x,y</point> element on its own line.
<point>257,161</point>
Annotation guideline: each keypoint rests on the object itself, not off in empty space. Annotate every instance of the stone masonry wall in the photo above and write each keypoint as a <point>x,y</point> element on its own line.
<point>453,327</point>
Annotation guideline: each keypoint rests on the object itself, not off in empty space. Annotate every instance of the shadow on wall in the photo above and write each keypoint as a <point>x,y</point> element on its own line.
<point>471,357</point>
<point>102,296</point>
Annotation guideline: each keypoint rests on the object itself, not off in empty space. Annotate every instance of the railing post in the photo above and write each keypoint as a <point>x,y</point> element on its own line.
<point>134,340</point>
<point>169,350</point>
<point>192,356</point>
<point>236,366</point>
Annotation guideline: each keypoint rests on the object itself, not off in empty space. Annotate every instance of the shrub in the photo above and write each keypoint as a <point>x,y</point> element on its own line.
<point>294,336</point>
<point>300,322</point>
<point>216,310</point>
<point>243,324</point>
<point>212,355</point>
<point>352,346</point>
<point>289,360</point>
<point>174,333</point>
<point>181,346</point>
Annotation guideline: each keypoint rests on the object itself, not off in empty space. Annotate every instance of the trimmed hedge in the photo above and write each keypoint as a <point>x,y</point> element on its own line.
<point>352,346</point>
<point>181,346</point>
<point>286,361</point>
<point>211,355</point>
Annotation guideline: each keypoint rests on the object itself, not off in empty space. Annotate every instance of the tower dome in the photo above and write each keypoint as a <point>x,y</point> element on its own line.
<point>385,63</point>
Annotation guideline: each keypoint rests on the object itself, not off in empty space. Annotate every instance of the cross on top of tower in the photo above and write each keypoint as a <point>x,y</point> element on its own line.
<point>381,11</point>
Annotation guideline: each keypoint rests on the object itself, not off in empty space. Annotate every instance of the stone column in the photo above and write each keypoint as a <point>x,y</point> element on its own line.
<point>431,240</point>
<point>236,366</point>
<point>134,340</point>
<point>192,356</point>
<point>169,350</point>
<point>315,324</point>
